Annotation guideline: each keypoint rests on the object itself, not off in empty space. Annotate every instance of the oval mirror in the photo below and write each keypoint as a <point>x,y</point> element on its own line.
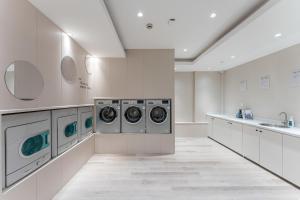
<point>68,69</point>
<point>23,80</point>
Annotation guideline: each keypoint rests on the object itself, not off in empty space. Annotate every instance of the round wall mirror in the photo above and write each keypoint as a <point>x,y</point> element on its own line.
<point>68,69</point>
<point>23,80</point>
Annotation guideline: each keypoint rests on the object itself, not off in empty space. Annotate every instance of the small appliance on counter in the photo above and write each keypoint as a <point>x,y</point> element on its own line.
<point>244,114</point>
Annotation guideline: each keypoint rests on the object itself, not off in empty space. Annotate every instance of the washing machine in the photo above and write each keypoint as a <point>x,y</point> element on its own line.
<point>64,130</point>
<point>158,116</point>
<point>26,144</point>
<point>85,121</point>
<point>108,118</point>
<point>133,116</point>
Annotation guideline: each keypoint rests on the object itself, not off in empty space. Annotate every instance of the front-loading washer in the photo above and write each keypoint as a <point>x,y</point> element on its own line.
<point>133,116</point>
<point>85,119</point>
<point>64,130</point>
<point>108,118</point>
<point>158,116</point>
<point>27,144</point>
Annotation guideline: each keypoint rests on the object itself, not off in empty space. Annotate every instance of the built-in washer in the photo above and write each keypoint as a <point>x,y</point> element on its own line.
<point>133,116</point>
<point>64,130</point>
<point>108,118</point>
<point>27,144</point>
<point>158,116</point>
<point>85,119</point>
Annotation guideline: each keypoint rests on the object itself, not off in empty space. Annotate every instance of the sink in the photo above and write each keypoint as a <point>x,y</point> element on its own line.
<point>273,125</point>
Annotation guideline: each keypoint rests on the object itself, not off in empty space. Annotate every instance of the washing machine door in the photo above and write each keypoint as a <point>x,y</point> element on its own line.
<point>158,114</point>
<point>108,114</point>
<point>133,114</point>
<point>66,132</point>
<point>25,144</point>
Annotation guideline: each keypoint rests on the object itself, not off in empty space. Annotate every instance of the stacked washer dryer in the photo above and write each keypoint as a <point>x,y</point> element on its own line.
<point>133,116</point>
<point>85,119</point>
<point>27,146</point>
<point>64,130</point>
<point>108,118</point>
<point>158,116</point>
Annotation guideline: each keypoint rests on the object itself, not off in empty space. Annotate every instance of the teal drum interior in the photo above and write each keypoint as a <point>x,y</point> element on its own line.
<point>35,144</point>
<point>89,122</point>
<point>71,129</point>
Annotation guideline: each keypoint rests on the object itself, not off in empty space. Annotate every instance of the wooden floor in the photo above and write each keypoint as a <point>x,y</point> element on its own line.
<point>200,169</point>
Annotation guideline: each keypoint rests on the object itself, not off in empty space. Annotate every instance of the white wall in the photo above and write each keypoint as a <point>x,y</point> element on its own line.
<point>184,96</point>
<point>207,94</point>
<point>265,103</point>
<point>26,34</point>
<point>197,93</point>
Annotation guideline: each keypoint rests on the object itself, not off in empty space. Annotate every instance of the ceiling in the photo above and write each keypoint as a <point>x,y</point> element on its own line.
<point>193,29</point>
<point>252,39</point>
<point>242,31</point>
<point>88,22</point>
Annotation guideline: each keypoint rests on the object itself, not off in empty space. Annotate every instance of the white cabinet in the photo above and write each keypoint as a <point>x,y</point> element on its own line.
<point>291,159</point>
<point>211,127</point>
<point>271,151</point>
<point>251,143</point>
<point>228,133</point>
<point>235,132</point>
<point>218,129</point>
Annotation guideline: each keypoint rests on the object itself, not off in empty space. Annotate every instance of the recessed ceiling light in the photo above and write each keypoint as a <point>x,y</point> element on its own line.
<point>213,15</point>
<point>140,14</point>
<point>277,35</point>
<point>232,57</point>
<point>185,50</point>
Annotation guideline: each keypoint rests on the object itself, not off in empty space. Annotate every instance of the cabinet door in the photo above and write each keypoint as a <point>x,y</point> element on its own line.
<point>251,143</point>
<point>217,130</point>
<point>211,127</point>
<point>271,151</point>
<point>291,159</point>
<point>236,137</point>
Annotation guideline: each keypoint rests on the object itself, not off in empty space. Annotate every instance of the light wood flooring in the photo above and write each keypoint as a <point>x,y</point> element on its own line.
<point>200,169</point>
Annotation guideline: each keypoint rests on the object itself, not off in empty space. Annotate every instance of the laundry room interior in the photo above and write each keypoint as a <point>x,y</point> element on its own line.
<point>149,99</point>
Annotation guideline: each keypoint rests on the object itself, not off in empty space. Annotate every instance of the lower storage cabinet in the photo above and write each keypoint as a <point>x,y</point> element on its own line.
<point>271,151</point>
<point>291,159</point>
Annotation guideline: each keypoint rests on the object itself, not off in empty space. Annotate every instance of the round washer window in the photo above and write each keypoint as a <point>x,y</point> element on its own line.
<point>133,114</point>
<point>108,114</point>
<point>71,129</point>
<point>158,114</point>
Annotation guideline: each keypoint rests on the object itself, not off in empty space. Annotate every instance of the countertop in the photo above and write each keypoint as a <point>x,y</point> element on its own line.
<point>288,131</point>
<point>12,111</point>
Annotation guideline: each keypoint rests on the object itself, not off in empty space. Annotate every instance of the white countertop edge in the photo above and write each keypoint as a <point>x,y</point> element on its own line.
<point>288,131</point>
<point>12,111</point>
<point>190,123</point>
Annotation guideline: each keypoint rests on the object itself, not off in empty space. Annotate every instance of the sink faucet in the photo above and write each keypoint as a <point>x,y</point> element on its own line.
<point>285,122</point>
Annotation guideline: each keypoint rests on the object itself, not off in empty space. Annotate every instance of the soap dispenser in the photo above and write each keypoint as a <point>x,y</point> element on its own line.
<point>291,122</point>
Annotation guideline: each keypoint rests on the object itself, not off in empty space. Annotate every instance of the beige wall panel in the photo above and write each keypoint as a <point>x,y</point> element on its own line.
<point>135,74</point>
<point>265,103</point>
<point>18,42</point>
<point>100,84</point>
<point>25,189</point>
<point>118,77</point>
<point>48,59</point>
<point>70,94</point>
<point>158,73</point>
<point>184,96</point>
<point>49,180</point>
